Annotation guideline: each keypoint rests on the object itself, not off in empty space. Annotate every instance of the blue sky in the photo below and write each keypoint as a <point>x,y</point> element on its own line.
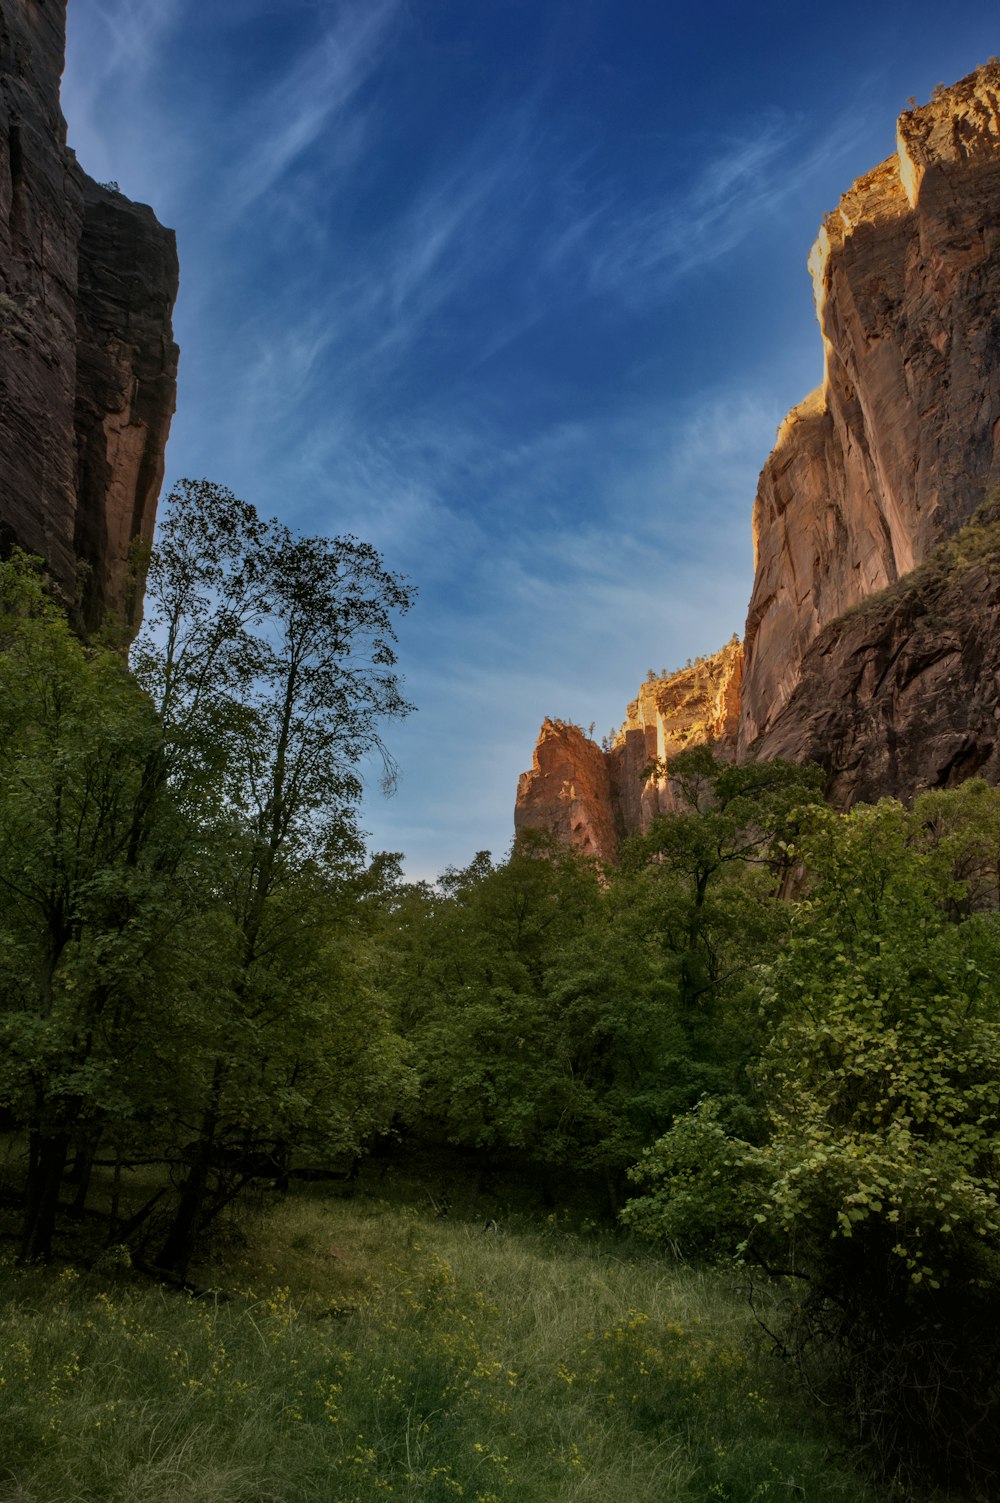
<point>514,290</point>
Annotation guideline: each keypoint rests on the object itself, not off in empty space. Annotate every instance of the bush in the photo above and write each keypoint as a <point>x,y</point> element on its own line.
<point>701,1186</point>
<point>874,1200</point>
<point>881,1083</point>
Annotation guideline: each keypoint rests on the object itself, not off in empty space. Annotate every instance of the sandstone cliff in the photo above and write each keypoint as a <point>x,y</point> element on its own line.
<point>872,642</point>
<point>87,361</point>
<point>903,693</point>
<point>902,440</point>
<point>568,791</point>
<point>591,797</point>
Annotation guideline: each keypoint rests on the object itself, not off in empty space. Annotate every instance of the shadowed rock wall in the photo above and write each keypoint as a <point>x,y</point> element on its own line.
<point>88,366</point>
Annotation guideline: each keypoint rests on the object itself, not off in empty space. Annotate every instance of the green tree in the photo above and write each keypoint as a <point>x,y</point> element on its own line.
<point>568,1015</point>
<point>730,822</point>
<point>876,1190</point>
<point>963,824</point>
<point>883,1162</point>
<point>94,923</point>
<point>271,660</point>
<point>474,969</point>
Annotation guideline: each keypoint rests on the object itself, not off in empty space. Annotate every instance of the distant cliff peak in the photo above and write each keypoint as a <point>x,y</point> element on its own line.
<point>590,796</point>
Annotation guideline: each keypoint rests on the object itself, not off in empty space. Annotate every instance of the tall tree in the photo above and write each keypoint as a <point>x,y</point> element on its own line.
<point>271,660</point>
<point>93,918</point>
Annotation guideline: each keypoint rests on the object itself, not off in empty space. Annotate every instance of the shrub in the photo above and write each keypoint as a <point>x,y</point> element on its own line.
<point>881,1084</point>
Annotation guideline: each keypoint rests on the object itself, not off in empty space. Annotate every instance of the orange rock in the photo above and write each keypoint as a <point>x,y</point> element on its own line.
<point>568,791</point>
<point>591,797</point>
<point>886,674</point>
<point>900,443</point>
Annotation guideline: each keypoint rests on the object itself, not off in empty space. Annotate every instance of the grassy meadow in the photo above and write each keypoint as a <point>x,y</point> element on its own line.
<point>356,1351</point>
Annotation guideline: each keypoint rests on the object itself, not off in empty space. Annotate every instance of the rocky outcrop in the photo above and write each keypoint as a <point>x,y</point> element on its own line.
<point>568,791</point>
<point>902,440</point>
<point>591,797</point>
<point>903,693</point>
<point>697,704</point>
<point>87,361</point>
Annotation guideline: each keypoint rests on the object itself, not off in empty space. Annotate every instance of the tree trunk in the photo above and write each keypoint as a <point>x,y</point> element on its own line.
<point>79,1175</point>
<point>178,1248</point>
<point>45,1173</point>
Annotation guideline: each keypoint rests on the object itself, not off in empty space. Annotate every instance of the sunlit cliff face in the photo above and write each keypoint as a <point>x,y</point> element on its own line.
<point>911,173</point>
<point>590,796</point>
<point>901,441</point>
<point>891,454</point>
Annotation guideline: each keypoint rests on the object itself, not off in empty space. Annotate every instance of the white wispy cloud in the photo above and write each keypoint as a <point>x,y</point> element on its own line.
<point>642,250</point>
<point>302,104</point>
<point>455,237</point>
<point>126,38</point>
<point>354,308</point>
<point>112,48</point>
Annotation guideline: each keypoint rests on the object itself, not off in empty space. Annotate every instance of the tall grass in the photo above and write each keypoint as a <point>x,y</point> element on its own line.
<point>365,1353</point>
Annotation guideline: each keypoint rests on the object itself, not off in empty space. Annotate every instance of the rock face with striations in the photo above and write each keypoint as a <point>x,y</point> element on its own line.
<point>87,361</point>
<point>591,797</point>
<point>901,442</point>
<point>902,693</point>
<point>568,791</point>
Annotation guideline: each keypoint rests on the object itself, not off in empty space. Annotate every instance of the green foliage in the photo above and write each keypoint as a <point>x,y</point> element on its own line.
<point>479,966</point>
<point>883,1063</point>
<point>975,545</point>
<point>190,970</point>
<point>534,1028</point>
<point>703,1184</point>
<point>93,933</point>
<point>876,1188</point>
<point>270,658</point>
<point>881,1081</point>
<point>569,1015</point>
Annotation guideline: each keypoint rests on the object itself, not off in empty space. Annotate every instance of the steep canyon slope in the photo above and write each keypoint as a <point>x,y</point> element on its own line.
<point>901,442</point>
<point>885,672</point>
<point>88,365</point>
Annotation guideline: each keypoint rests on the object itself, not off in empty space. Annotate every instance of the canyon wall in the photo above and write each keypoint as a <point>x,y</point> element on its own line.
<point>872,641</point>
<point>88,366</point>
<point>591,797</point>
<point>902,693</point>
<point>568,791</point>
<point>902,440</point>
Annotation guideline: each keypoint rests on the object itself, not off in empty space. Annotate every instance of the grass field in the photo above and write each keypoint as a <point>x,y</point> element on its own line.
<point>357,1352</point>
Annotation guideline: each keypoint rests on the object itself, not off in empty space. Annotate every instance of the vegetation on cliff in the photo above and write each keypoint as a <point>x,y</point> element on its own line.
<point>975,545</point>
